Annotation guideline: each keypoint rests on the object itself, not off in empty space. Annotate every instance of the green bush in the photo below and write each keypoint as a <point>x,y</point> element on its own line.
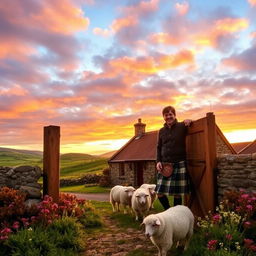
<point>62,237</point>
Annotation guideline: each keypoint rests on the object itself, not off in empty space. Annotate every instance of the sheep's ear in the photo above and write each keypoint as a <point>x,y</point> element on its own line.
<point>141,224</point>
<point>158,223</point>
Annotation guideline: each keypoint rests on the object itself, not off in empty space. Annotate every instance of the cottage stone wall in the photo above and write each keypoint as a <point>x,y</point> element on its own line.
<point>149,172</point>
<point>236,172</point>
<point>23,178</point>
<point>126,179</point>
<point>130,177</point>
<point>221,146</point>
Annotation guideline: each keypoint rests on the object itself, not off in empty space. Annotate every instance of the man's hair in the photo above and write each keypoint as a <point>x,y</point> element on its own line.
<point>168,109</point>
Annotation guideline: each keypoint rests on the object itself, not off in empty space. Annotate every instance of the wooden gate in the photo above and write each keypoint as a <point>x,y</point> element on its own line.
<point>201,156</point>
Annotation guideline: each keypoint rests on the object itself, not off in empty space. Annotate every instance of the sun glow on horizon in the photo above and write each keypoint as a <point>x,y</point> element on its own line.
<point>94,147</point>
<point>241,135</point>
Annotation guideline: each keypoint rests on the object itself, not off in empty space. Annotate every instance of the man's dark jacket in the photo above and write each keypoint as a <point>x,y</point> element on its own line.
<point>171,146</point>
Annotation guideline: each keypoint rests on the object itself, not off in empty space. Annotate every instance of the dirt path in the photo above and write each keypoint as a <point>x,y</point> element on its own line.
<point>117,241</point>
<point>103,197</point>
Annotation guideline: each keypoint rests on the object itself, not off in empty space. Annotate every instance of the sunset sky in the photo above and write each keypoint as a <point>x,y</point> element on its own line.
<point>93,67</point>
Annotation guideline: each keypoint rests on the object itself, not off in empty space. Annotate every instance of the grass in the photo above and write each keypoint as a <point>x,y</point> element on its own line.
<point>85,189</point>
<point>71,165</point>
<point>78,168</point>
<point>15,159</point>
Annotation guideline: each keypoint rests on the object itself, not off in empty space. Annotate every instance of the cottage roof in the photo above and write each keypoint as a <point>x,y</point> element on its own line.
<point>249,149</point>
<point>238,146</point>
<point>143,148</point>
<point>138,148</point>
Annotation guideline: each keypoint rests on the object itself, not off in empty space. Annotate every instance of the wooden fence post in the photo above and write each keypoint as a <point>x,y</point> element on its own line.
<point>51,158</point>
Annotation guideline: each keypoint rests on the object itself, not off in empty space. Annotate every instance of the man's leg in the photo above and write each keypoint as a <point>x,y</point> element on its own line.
<point>177,200</point>
<point>164,201</point>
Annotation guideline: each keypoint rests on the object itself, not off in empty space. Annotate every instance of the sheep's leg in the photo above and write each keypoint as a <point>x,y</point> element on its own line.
<point>113,205</point>
<point>189,235</point>
<point>118,207</point>
<point>163,252</point>
<point>125,209</point>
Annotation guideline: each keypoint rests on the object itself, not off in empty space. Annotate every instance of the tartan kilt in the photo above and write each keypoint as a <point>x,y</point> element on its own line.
<point>177,184</point>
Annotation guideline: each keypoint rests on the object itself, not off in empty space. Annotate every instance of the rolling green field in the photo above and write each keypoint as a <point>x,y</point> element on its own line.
<point>72,165</point>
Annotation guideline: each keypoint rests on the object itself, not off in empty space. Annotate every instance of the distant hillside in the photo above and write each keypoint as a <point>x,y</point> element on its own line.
<point>23,151</point>
<point>77,156</point>
<point>108,154</point>
<point>16,158</point>
<point>72,165</point>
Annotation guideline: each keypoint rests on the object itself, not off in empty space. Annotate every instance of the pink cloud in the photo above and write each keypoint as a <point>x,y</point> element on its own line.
<point>164,38</point>
<point>102,32</point>
<point>182,8</point>
<point>129,21</point>
<point>245,61</point>
<point>252,2</point>
<point>56,16</point>
<point>142,8</point>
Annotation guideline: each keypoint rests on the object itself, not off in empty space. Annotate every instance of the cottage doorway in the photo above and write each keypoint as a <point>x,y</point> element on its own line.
<point>201,156</point>
<point>138,173</point>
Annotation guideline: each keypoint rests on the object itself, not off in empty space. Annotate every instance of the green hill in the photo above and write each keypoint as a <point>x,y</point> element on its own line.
<point>71,165</point>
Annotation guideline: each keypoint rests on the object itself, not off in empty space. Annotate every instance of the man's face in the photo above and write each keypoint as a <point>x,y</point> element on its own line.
<point>169,117</point>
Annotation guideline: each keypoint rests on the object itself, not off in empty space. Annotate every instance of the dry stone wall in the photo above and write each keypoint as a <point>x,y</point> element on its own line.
<point>23,178</point>
<point>236,172</point>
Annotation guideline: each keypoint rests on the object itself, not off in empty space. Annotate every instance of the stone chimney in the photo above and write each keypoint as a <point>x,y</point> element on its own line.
<point>139,128</point>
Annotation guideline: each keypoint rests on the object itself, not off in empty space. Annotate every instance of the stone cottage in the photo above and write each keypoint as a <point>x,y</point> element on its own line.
<point>135,163</point>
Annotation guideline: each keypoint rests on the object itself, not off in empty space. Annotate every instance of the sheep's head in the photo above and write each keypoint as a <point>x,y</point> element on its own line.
<point>130,191</point>
<point>152,224</point>
<point>142,197</point>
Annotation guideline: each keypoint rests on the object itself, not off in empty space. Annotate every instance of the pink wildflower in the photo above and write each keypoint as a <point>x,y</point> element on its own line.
<point>229,237</point>
<point>16,225</point>
<point>211,245</point>
<point>244,196</point>
<point>249,207</point>
<point>247,224</point>
<point>248,241</point>
<point>253,247</point>
<point>216,218</point>
<point>45,211</point>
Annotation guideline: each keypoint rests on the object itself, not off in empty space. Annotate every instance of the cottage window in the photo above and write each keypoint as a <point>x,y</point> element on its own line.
<point>121,169</point>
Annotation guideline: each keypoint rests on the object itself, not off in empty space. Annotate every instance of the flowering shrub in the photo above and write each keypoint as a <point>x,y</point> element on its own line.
<point>15,215</point>
<point>227,232</point>
<point>11,203</point>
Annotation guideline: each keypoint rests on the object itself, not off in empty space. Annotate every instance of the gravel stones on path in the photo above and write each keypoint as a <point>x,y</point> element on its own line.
<point>115,241</point>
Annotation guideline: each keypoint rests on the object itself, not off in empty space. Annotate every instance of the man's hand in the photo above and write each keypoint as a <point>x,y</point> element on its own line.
<point>159,166</point>
<point>187,122</point>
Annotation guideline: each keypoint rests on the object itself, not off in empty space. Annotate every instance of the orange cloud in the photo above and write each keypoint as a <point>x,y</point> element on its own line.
<point>16,90</point>
<point>56,16</point>
<point>142,7</point>
<point>102,32</point>
<point>231,25</point>
<point>182,8</point>
<point>253,34</point>
<point>124,22</point>
<point>164,38</point>
<point>17,49</point>
<point>220,28</point>
<point>252,2</point>
<point>151,65</point>
<point>61,17</point>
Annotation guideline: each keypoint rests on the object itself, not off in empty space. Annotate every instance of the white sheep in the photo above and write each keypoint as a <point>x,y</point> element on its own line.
<point>141,202</point>
<point>121,195</point>
<point>151,188</point>
<point>173,226</point>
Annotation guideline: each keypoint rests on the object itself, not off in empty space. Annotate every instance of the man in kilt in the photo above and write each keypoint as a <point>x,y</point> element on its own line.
<point>171,149</point>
